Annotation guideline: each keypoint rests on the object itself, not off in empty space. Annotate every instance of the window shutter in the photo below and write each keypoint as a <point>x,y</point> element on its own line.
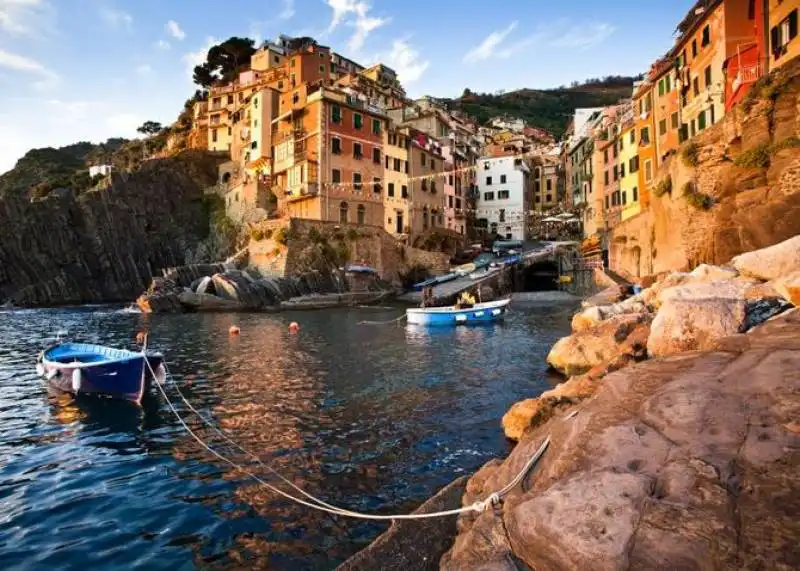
<point>776,39</point>
<point>793,24</point>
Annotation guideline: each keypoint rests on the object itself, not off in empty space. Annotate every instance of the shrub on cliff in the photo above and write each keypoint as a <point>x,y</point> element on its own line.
<point>690,154</point>
<point>664,187</point>
<point>788,143</point>
<point>755,158</point>
<point>280,236</point>
<point>315,236</point>
<point>257,234</point>
<point>694,197</point>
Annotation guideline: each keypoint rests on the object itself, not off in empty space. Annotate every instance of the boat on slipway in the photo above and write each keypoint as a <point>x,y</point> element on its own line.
<point>89,369</point>
<point>479,313</point>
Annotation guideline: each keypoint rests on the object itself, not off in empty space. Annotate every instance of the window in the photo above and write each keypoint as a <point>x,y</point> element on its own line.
<point>502,194</point>
<point>376,185</point>
<point>549,184</point>
<point>357,150</point>
<point>358,120</point>
<point>488,195</point>
<point>502,179</point>
<point>403,191</point>
<point>661,88</point>
<point>636,193</point>
<point>397,165</point>
<point>376,126</point>
<point>708,77</point>
<point>322,69</point>
<point>357,181</point>
<point>336,114</point>
<point>361,214</point>
<point>694,48</point>
<point>614,151</point>
<point>692,130</point>
<point>696,86</point>
<point>214,135</point>
<point>450,180</point>
<point>336,145</point>
<point>538,199</point>
<point>390,189</point>
<point>605,178</point>
<point>662,127</point>
<point>424,184</point>
<point>607,202</point>
<point>701,121</point>
<point>674,120</point>
<point>376,156</point>
<point>633,136</point>
<point>450,202</point>
<point>343,213</point>
<point>405,166</point>
<point>668,83</point>
<point>433,187</point>
<point>422,158</point>
<point>295,98</point>
<point>386,158</point>
<point>622,170</point>
<point>502,214</point>
<point>488,181</point>
<point>230,99</point>
<point>486,166</point>
<point>549,198</point>
<point>645,136</point>
<point>333,68</point>
<point>624,197</point>
<point>616,172</point>
<point>433,164</point>
<point>648,172</point>
<point>336,176</point>
<point>706,36</point>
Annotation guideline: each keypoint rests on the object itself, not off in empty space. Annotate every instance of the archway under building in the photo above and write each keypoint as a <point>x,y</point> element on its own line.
<point>541,276</point>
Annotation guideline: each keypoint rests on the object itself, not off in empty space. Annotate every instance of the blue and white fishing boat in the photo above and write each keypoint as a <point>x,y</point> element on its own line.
<point>478,313</point>
<point>86,368</point>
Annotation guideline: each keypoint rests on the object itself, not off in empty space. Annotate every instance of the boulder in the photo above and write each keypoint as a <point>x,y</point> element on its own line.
<point>709,273</point>
<point>772,262</point>
<point>731,289</point>
<point>788,287</point>
<point>594,315</point>
<point>620,335</point>
<point>606,297</point>
<point>694,323</point>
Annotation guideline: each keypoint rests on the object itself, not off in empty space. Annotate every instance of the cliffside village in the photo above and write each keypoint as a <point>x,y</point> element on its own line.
<point>314,135</point>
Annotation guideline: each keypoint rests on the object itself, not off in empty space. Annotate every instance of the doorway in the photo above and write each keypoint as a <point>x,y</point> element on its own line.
<point>398,220</point>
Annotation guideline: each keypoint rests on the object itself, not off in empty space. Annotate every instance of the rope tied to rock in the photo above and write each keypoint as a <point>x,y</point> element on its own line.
<point>314,502</point>
<point>395,320</point>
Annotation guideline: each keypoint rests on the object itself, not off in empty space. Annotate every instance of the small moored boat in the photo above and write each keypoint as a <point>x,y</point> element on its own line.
<point>478,313</point>
<point>86,368</point>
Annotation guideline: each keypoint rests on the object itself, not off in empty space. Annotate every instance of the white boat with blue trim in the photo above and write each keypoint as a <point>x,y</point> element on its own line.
<point>453,315</point>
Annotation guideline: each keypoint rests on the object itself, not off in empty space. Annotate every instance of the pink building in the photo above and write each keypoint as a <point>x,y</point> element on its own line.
<point>454,200</point>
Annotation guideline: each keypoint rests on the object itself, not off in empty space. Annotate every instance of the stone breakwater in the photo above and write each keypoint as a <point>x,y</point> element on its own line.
<point>675,442</point>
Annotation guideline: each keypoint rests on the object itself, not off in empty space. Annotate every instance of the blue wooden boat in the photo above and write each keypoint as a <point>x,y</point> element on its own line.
<point>360,269</point>
<point>86,368</point>
<point>422,285</point>
<point>450,316</point>
<point>446,278</point>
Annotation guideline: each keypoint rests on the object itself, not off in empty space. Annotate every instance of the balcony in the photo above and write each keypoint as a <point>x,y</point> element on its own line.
<point>302,191</point>
<point>746,75</point>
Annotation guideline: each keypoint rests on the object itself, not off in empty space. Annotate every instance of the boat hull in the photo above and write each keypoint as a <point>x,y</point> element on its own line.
<point>123,375</point>
<point>480,313</point>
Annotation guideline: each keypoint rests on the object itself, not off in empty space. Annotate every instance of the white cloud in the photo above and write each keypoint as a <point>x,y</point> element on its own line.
<point>116,19</point>
<point>174,30</point>
<point>363,23</point>
<point>288,10</point>
<point>198,57</point>
<point>584,36</point>
<point>162,45</point>
<point>44,78</point>
<point>143,69</point>
<point>486,49</point>
<point>26,17</point>
<point>406,61</point>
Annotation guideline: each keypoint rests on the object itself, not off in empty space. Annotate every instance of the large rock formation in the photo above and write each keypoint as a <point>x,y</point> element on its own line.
<point>104,245</point>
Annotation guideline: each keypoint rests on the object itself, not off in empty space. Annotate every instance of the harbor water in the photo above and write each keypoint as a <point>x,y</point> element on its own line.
<point>375,418</point>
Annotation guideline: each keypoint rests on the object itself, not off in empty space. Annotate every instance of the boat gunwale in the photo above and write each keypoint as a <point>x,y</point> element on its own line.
<point>450,310</point>
<point>123,359</point>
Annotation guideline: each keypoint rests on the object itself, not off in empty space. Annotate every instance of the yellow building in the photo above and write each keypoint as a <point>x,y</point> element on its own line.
<point>784,45</point>
<point>396,198</point>
<point>629,171</point>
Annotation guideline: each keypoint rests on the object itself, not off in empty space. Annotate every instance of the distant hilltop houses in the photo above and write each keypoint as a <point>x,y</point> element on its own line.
<point>311,134</point>
<point>103,170</point>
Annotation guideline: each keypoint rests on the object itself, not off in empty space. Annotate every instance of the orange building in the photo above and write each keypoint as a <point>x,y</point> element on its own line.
<point>328,156</point>
<point>784,45</point>
<point>747,53</point>
<point>646,161</point>
<point>665,108</point>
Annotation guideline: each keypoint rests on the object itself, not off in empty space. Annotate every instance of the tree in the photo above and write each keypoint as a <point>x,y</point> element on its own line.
<point>150,128</point>
<point>224,61</point>
<point>466,93</point>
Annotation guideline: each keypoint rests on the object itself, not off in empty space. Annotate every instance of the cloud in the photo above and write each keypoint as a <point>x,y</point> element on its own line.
<point>363,23</point>
<point>162,45</point>
<point>486,49</point>
<point>288,10</point>
<point>45,78</point>
<point>198,57</point>
<point>175,31</point>
<point>143,69</point>
<point>26,17</point>
<point>406,61</point>
<point>584,36</point>
<point>257,26</point>
<point>116,19</point>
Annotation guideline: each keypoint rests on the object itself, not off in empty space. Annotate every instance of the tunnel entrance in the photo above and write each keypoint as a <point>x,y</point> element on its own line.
<point>542,276</point>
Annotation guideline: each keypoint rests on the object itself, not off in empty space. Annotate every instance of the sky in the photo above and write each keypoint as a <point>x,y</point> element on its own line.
<point>73,70</point>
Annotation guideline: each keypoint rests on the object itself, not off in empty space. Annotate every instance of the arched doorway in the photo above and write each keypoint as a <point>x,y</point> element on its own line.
<point>343,213</point>
<point>361,214</point>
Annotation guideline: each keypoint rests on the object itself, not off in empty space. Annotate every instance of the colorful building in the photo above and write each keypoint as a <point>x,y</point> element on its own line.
<point>396,199</point>
<point>426,168</point>
<point>504,185</point>
<point>629,169</point>
<point>646,160</point>
<point>749,60</point>
<point>666,109</point>
<point>782,22</point>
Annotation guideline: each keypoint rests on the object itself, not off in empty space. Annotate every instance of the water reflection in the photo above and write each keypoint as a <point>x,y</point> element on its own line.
<point>370,418</point>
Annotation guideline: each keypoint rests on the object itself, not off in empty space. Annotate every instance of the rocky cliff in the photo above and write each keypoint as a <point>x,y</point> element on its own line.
<point>732,189</point>
<point>104,245</point>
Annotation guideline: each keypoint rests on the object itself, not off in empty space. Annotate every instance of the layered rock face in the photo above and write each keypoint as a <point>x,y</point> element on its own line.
<point>104,245</point>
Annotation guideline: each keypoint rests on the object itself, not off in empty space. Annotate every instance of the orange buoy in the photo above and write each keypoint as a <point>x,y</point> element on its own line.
<point>140,338</point>
<point>234,330</point>
<point>294,327</point>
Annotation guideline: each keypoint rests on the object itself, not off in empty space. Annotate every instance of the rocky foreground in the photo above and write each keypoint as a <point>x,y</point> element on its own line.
<point>675,442</point>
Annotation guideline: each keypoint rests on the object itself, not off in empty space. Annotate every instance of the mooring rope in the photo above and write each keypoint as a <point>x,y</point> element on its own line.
<point>320,505</point>
<point>395,320</point>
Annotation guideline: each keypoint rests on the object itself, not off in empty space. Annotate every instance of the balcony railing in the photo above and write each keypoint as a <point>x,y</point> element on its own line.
<point>302,191</point>
<point>745,75</point>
